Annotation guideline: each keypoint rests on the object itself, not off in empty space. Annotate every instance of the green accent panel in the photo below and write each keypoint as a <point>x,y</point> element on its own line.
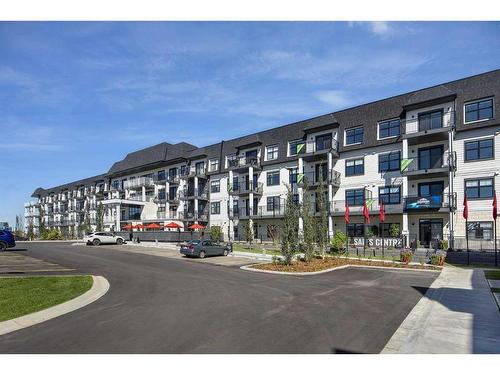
<point>369,202</point>
<point>300,147</point>
<point>300,177</point>
<point>405,163</point>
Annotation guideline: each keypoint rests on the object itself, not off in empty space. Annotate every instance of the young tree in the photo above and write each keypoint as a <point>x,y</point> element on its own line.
<point>100,218</point>
<point>42,229</point>
<point>71,231</point>
<point>19,231</point>
<point>216,233</point>
<point>290,236</point>
<point>30,231</point>
<point>322,220</point>
<point>273,232</point>
<point>87,228</point>
<point>309,223</point>
<point>249,232</point>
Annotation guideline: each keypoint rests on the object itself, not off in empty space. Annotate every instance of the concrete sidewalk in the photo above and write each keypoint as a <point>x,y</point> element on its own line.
<point>458,314</point>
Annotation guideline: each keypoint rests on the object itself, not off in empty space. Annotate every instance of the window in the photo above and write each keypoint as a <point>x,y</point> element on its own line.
<point>183,170</point>
<point>324,142</point>
<point>161,175</point>
<point>296,147</point>
<point>354,136</point>
<point>293,175</point>
<point>273,203</point>
<point>480,110</point>
<point>215,186</point>
<point>389,128</point>
<point>389,162</point>
<point>480,230</point>
<point>272,152</point>
<point>355,167</point>
<point>478,150</point>
<point>295,199</point>
<point>172,172</point>
<point>429,158</point>
<point>355,230</point>
<point>479,188</point>
<point>390,194</point>
<point>161,194</point>
<point>388,229</point>
<point>355,197</point>
<point>273,178</point>
<point>215,208</point>
<point>213,165</point>
<point>172,192</point>
<point>430,120</point>
<point>115,184</point>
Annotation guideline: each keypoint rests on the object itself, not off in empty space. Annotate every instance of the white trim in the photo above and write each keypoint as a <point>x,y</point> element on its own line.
<point>353,128</point>
<point>476,101</point>
<point>392,136</point>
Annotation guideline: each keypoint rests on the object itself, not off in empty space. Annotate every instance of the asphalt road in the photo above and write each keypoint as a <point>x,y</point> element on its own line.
<point>164,305</point>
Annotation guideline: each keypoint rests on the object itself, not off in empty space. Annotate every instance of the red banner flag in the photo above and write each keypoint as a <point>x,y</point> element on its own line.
<point>382,211</point>
<point>366,213</point>
<point>346,214</point>
<point>495,205</point>
<point>466,208</point>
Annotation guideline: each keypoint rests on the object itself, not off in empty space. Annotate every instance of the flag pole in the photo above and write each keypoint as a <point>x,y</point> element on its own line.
<point>467,240</point>
<point>496,256</point>
<point>495,225</point>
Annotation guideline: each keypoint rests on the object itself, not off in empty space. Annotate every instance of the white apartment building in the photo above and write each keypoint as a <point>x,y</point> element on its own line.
<point>417,152</point>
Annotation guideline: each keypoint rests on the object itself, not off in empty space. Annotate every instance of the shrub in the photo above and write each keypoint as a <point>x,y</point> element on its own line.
<point>394,230</point>
<point>390,247</point>
<point>216,233</point>
<point>338,241</point>
<point>406,256</point>
<point>53,234</point>
<point>443,245</point>
<point>437,260</point>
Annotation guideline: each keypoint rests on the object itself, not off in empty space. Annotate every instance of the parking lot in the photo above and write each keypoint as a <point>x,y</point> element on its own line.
<point>167,304</point>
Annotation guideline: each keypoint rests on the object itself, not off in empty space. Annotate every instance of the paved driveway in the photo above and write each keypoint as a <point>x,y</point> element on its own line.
<point>166,305</point>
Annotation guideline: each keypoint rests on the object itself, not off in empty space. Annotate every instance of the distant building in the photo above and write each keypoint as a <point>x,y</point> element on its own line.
<point>5,226</point>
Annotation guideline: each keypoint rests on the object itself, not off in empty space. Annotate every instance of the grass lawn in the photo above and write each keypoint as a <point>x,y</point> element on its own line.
<point>492,275</point>
<point>257,249</point>
<point>24,295</point>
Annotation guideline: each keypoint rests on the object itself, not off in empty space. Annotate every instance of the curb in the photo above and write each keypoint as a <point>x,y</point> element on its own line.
<point>250,268</point>
<point>100,287</point>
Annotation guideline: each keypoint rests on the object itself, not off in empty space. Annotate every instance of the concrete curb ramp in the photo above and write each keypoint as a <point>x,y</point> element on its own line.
<point>100,287</point>
<point>250,268</point>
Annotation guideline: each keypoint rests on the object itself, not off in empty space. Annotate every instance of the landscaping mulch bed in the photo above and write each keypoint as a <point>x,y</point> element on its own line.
<point>331,262</point>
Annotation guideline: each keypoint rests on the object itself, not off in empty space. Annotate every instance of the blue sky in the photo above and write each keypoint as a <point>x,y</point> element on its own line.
<point>77,96</point>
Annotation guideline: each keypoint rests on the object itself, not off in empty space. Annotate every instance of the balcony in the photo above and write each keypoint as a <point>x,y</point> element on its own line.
<point>441,203</point>
<point>190,193</point>
<point>337,207</point>
<point>163,215</point>
<point>174,179</point>
<point>138,183</point>
<point>245,188</point>
<point>265,212</point>
<point>317,150</point>
<point>242,163</point>
<point>194,172</point>
<point>313,180</point>
<point>415,168</point>
<point>429,128</point>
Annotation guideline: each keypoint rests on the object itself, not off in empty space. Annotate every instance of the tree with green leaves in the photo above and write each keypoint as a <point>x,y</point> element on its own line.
<point>290,233</point>
<point>30,233</point>
<point>322,219</point>
<point>87,228</point>
<point>71,231</point>
<point>19,230</point>
<point>248,232</point>
<point>216,233</point>
<point>42,229</point>
<point>309,223</point>
<point>100,218</point>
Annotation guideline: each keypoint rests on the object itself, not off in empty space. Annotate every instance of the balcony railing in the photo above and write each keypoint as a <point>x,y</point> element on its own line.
<point>197,193</point>
<point>448,162</point>
<point>173,179</point>
<point>243,162</point>
<point>431,202</point>
<point>138,183</point>
<point>316,147</point>
<point>313,178</point>
<point>194,172</point>
<point>163,215</point>
<point>242,188</point>
<point>417,125</point>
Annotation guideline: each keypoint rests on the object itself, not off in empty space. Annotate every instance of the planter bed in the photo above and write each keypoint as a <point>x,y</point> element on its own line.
<point>318,265</point>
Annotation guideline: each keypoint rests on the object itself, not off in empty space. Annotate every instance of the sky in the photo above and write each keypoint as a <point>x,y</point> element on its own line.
<point>77,96</point>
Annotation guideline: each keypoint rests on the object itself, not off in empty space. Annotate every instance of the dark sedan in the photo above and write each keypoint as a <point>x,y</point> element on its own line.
<point>201,249</point>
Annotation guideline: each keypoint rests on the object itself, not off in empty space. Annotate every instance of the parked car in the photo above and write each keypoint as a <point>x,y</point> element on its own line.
<point>98,238</point>
<point>201,249</point>
<point>6,240</point>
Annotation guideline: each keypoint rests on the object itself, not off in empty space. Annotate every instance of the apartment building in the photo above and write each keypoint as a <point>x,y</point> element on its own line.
<point>417,152</point>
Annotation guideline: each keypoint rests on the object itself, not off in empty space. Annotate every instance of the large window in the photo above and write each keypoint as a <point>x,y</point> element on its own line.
<point>480,230</point>
<point>213,165</point>
<point>323,142</point>
<point>354,136</point>
<point>293,175</point>
<point>389,162</point>
<point>430,120</point>
<point>355,197</point>
<point>215,186</point>
<point>387,129</point>
<point>273,178</point>
<point>295,199</point>
<point>478,150</point>
<point>431,157</point>
<point>273,203</point>
<point>355,167</point>
<point>355,230</point>
<point>172,172</point>
<point>161,194</point>
<point>296,147</point>
<point>390,194</point>
<point>215,208</point>
<point>479,110</point>
<point>480,188</point>
<point>161,175</point>
<point>272,152</point>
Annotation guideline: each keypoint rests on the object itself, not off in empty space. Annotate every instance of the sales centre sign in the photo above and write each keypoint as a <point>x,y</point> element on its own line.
<point>377,241</point>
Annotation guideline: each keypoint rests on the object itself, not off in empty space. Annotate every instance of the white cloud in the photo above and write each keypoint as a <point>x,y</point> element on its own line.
<point>337,99</point>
